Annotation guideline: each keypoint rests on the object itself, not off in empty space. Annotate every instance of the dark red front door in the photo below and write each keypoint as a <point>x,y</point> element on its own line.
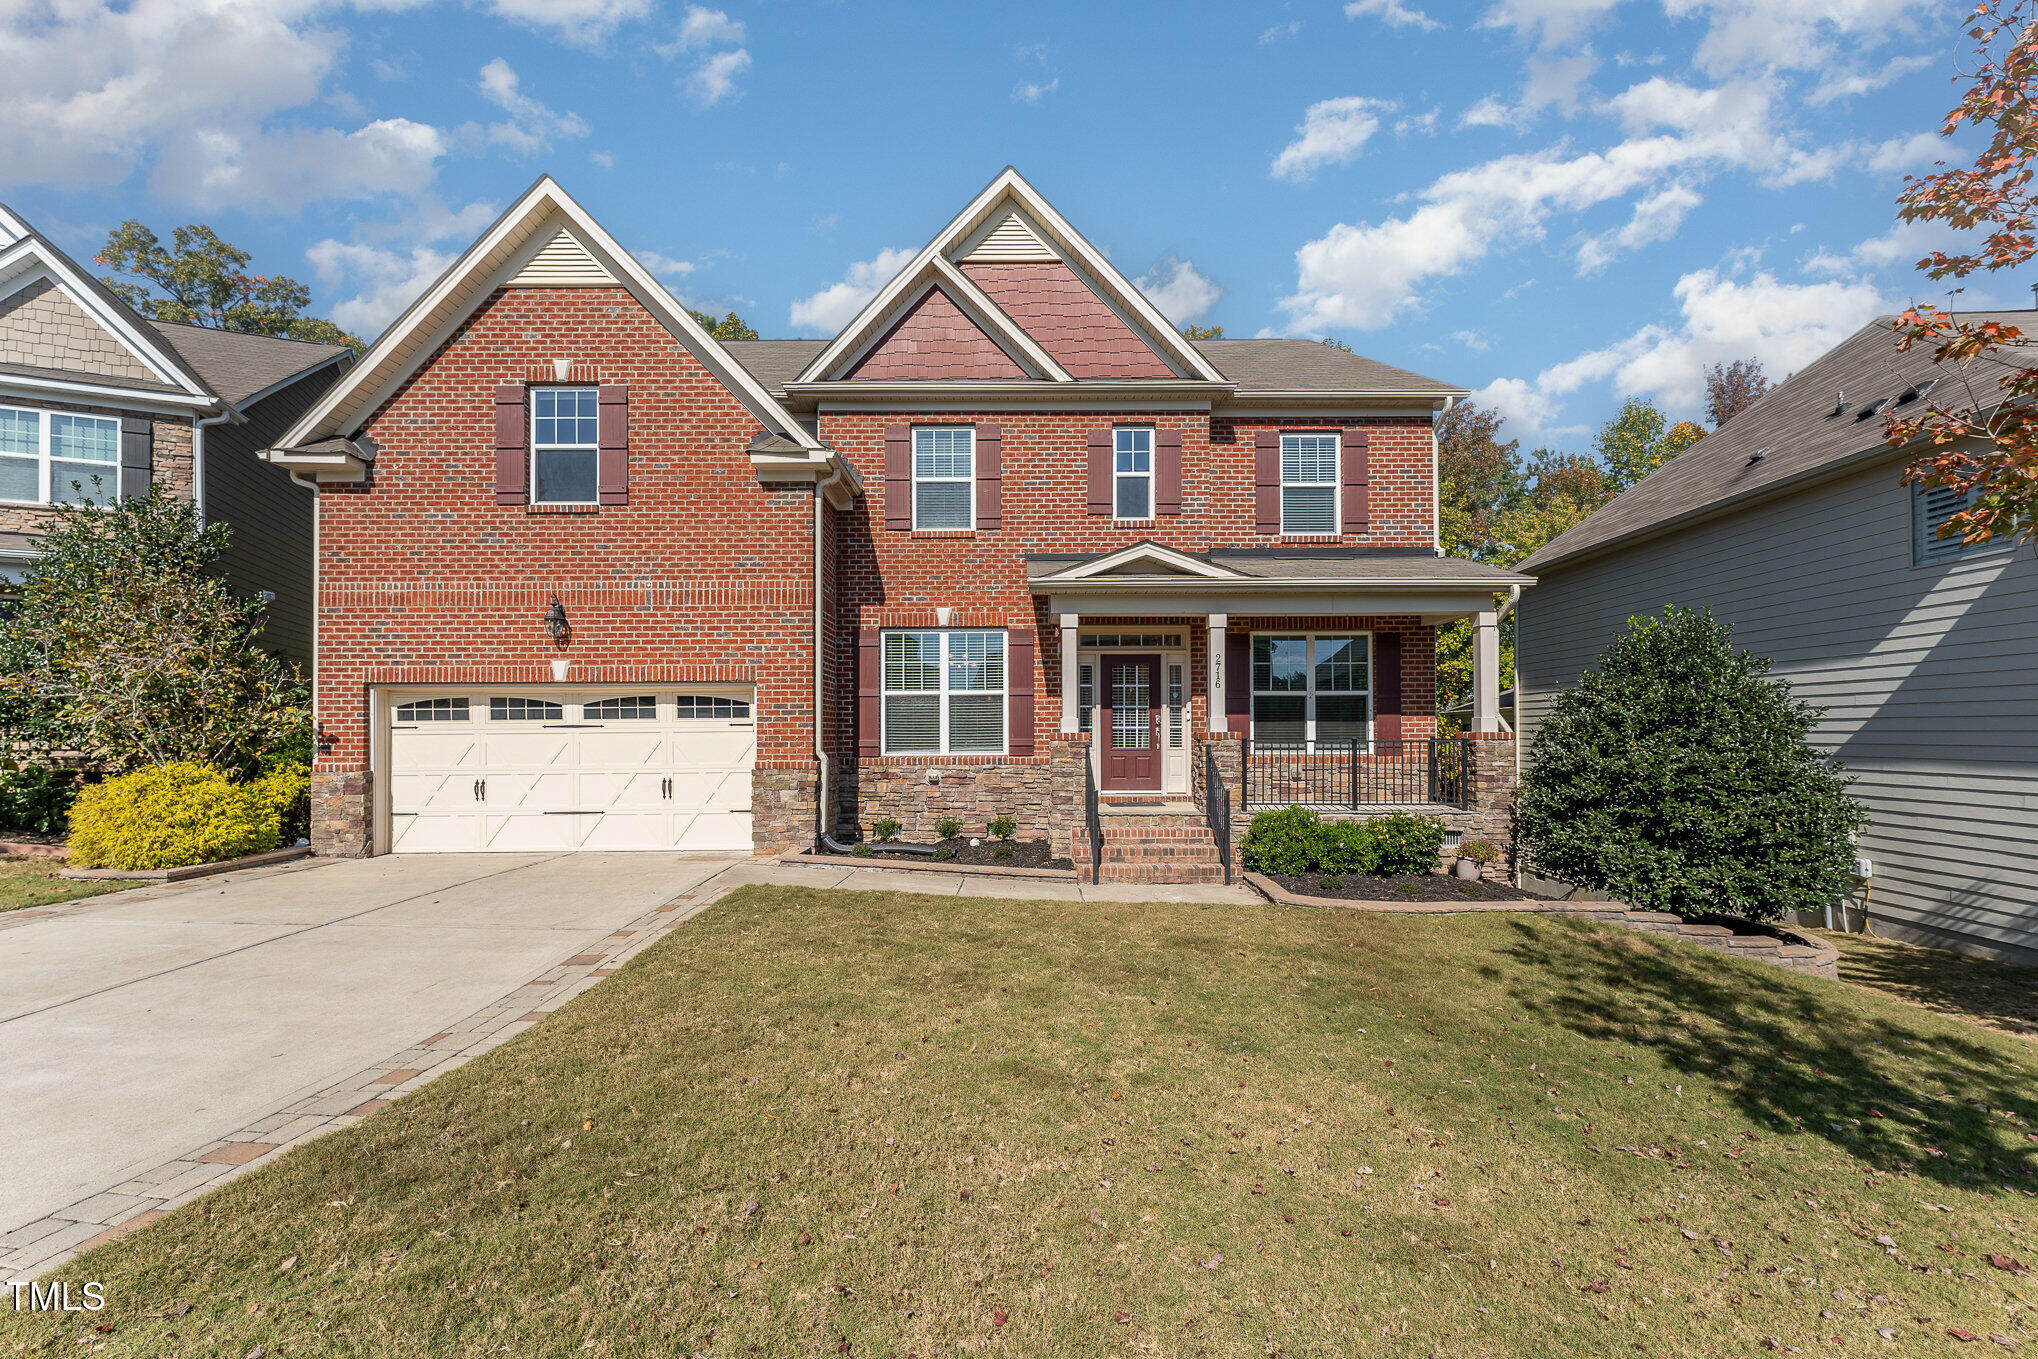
<point>1132,722</point>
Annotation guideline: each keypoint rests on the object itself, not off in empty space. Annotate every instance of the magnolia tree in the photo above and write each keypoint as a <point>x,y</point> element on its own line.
<point>125,647</point>
<point>1979,425</point>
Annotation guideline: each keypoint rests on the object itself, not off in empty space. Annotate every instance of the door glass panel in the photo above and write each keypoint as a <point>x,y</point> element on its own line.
<point>1131,728</point>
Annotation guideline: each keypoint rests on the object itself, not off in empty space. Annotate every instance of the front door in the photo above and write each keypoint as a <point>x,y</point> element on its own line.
<point>1132,723</point>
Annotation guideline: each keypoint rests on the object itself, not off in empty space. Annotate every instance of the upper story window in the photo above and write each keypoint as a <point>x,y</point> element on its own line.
<point>1930,509</point>
<point>565,445</point>
<point>1132,474</point>
<point>57,458</point>
<point>944,477</point>
<point>1312,690</point>
<point>1309,477</point>
<point>944,692</point>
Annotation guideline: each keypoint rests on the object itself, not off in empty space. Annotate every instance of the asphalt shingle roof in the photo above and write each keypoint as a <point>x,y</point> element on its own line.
<point>236,365</point>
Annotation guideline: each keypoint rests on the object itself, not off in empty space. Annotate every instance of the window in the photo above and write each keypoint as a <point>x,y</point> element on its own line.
<point>1175,707</point>
<point>1112,640</point>
<point>704,705</point>
<point>1086,696</point>
<point>1311,691</point>
<point>55,458</point>
<point>642,709</point>
<point>1132,474</point>
<point>1309,482</point>
<point>1930,509</point>
<point>524,710</point>
<point>565,445</point>
<point>944,693</point>
<point>944,478</point>
<point>433,710</point>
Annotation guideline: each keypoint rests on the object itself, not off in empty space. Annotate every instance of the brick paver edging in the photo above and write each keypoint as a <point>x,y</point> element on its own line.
<point>808,857</point>
<point>44,1244</point>
<point>1743,938</point>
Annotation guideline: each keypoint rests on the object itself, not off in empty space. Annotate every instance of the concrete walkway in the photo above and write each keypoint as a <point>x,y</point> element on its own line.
<point>943,884</point>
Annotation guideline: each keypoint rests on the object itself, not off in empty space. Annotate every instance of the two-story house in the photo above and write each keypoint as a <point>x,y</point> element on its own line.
<point>97,401</point>
<point>1007,544</point>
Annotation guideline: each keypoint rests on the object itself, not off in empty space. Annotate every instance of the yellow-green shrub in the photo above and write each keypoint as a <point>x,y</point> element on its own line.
<point>284,787</point>
<point>170,816</point>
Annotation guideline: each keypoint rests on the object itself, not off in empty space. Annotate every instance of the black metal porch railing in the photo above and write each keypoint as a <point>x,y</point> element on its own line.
<point>1217,809</point>
<point>1358,773</point>
<point>1093,822</point>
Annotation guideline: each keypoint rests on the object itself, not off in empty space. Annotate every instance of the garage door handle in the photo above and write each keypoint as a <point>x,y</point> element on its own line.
<point>665,786</point>
<point>481,790</point>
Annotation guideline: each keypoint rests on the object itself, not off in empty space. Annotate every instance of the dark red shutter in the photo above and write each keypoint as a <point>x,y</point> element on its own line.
<point>869,690</point>
<point>898,477</point>
<point>1100,471</point>
<point>1353,467</point>
<point>1386,686</point>
<point>1019,685</point>
<point>1267,480</point>
<point>1238,684</point>
<point>1167,471</point>
<point>612,470</point>
<point>512,448</point>
<point>990,477</point>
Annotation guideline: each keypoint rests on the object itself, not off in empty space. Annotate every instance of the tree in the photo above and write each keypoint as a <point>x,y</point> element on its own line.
<point>730,327</point>
<point>1980,427</point>
<point>1339,345</point>
<point>1731,388</point>
<point>1638,440</point>
<point>1202,332</point>
<point>125,646</point>
<point>1676,777</point>
<point>201,280</point>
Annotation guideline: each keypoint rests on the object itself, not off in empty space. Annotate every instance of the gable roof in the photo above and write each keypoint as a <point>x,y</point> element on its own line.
<point>30,256</point>
<point>238,366</point>
<point>1793,427</point>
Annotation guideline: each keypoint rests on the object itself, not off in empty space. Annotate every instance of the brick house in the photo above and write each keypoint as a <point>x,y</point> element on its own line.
<point>1007,544</point>
<point>97,401</point>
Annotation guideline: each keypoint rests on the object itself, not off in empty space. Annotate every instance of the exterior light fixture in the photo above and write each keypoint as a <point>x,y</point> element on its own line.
<point>555,620</point>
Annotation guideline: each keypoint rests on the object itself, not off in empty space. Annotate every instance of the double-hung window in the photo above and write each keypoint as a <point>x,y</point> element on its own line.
<point>1132,474</point>
<point>944,477</point>
<point>944,693</point>
<point>1312,690</point>
<point>565,445</point>
<point>57,458</point>
<point>1309,477</point>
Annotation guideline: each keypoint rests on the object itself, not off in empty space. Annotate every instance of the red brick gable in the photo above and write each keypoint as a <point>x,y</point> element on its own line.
<point>935,340</point>
<point>1067,320</point>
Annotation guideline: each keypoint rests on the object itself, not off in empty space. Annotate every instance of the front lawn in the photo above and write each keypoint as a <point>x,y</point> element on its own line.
<point>33,881</point>
<point>892,1124</point>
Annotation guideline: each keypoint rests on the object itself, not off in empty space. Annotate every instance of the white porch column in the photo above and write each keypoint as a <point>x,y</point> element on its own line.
<point>1486,672</point>
<point>1071,683</point>
<point>1216,669</point>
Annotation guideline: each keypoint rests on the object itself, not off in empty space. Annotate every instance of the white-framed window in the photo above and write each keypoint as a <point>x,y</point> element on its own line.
<point>944,477</point>
<point>707,706</point>
<point>58,458</point>
<point>1132,474</point>
<point>433,710</point>
<point>1086,696</point>
<point>944,692</point>
<point>565,445</point>
<point>1930,509</point>
<point>524,710</point>
<point>1312,690</point>
<point>1309,482</point>
<point>637,708</point>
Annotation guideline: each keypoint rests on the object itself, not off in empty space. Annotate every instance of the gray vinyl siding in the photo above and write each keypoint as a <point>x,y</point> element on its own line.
<point>1926,674</point>
<point>270,516</point>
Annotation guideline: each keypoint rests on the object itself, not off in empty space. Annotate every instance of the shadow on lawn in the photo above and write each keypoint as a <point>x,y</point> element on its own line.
<point>2001,995</point>
<point>1789,1049</point>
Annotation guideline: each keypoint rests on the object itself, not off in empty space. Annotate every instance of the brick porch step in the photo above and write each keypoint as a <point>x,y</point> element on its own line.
<point>1152,845</point>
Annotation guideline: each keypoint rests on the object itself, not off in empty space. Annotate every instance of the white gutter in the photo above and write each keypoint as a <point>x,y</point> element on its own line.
<point>1436,491</point>
<point>198,428</point>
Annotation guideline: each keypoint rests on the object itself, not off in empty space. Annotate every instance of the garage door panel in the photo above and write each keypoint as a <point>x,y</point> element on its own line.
<point>629,830</point>
<point>528,831</point>
<point>722,832</point>
<point>434,747</point>
<point>526,790</point>
<point>712,790</point>
<point>509,747</point>
<point>617,792</point>
<point>437,791</point>
<point>715,747</point>
<point>426,833</point>
<point>624,749</point>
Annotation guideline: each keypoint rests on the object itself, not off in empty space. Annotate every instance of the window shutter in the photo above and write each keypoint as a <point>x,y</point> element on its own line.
<point>1387,686</point>
<point>1019,688</point>
<point>1238,684</point>
<point>1935,505</point>
<point>990,476</point>
<point>869,689</point>
<point>1353,468</point>
<point>1100,471</point>
<point>898,480</point>
<point>137,455</point>
<point>1267,480</point>
<point>1167,471</point>
<point>512,447</point>
<point>612,429</point>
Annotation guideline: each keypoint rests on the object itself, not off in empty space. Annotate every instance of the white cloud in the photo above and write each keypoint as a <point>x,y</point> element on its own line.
<point>1032,91</point>
<point>1547,21</point>
<point>1181,291</point>
<point>1424,123</point>
<point>1332,132</point>
<point>1834,86</point>
<point>1280,31</point>
<point>837,304</point>
<point>385,270</point>
<point>1763,35</point>
<point>583,22</point>
<point>1491,111</point>
<point>722,59</point>
<point>1655,218</point>
<point>391,156</point>
<point>703,27</point>
<point>665,266</point>
<point>714,79</point>
<point>1899,155</point>
<point>1900,248</point>
<point>532,127</point>
<point>1558,81</point>
<point>605,159</point>
<point>1391,12</point>
<point>1471,339</point>
<point>1527,411</point>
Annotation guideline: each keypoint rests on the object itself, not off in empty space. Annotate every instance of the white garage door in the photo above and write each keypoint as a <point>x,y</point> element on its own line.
<point>521,769</point>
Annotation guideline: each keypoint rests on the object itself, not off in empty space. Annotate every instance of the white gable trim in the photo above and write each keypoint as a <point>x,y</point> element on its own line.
<point>12,228</point>
<point>1166,558</point>
<point>29,259</point>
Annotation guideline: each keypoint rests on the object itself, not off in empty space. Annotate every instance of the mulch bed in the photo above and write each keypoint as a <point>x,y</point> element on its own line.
<point>1414,887</point>
<point>1024,854</point>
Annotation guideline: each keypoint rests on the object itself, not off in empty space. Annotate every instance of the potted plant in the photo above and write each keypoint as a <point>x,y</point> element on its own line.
<point>1474,855</point>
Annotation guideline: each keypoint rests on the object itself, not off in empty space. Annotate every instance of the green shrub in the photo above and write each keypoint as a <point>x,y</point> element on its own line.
<point>1407,844</point>
<point>287,788</point>
<point>1003,827</point>
<point>169,816</point>
<point>1330,884</point>
<point>1347,847</point>
<point>1002,852</point>
<point>860,851</point>
<point>37,800</point>
<point>1479,851</point>
<point>884,830</point>
<point>948,828</point>
<point>944,853</point>
<point>1284,841</point>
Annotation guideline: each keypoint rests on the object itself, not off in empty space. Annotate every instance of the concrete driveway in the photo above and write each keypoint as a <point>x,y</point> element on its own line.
<point>134,1031</point>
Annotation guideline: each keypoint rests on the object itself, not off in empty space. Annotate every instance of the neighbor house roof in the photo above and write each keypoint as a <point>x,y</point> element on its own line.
<point>1798,431</point>
<point>237,366</point>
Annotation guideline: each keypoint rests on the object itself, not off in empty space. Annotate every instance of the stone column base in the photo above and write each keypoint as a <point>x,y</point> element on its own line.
<point>340,813</point>
<point>782,807</point>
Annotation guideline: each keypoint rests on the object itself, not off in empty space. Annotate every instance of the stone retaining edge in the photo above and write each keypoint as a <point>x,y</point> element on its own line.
<point>809,858</point>
<point>272,856</point>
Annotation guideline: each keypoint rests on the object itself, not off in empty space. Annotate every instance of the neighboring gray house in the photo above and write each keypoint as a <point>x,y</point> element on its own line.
<point>97,401</point>
<point>1791,524</point>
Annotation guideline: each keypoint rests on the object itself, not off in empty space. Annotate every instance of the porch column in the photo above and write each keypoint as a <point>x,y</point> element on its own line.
<point>1486,671</point>
<point>1216,671</point>
<point>1071,683</point>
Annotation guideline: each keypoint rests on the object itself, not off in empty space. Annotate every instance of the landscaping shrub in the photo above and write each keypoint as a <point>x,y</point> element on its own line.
<point>948,828</point>
<point>884,830</point>
<point>287,788</point>
<point>169,816</point>
<point>1676,777</point>
<point>1347,847</point>
<point>1283,841</point>
<point>1003,827</point>
<point>1407,844</point>
<point>37,801</point>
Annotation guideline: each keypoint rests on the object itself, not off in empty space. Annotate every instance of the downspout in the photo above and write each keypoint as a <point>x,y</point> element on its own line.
<point>1436,490</point>
<point>1520,706</point>
<point>198,428</point>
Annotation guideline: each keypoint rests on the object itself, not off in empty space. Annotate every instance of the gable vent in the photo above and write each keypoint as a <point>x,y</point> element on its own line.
<point>1007,237</point>
<point>562,262</point>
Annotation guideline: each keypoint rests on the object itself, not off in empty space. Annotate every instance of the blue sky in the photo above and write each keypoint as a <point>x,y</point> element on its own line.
<point>1554,203</point>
